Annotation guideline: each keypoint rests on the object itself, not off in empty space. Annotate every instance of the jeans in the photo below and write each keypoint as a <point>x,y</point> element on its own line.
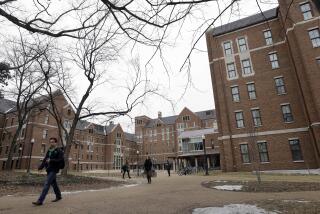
<point>124,172</point>
<point>51,181</point>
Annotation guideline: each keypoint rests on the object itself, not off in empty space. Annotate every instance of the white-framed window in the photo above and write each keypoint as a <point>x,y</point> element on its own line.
<point>242,43</point>
<point>45,134</point>
<point>280,86</point>
<point>295,149</point>
<point>239,119</point>
<point>231,69</point>
<point>235,93</point>
<point>273,57</point>
<point>244,150</point>
<point>306,10</point>
<point>251,91</point>
<point>286,112</point>
<point>246,67</point>
<point>315,37</point>
<point>256,117</point>
<point>263,151</point>
<point>318,60</point>
<point>46,119</point>
<point>227,46</point>
<point>268,37</point>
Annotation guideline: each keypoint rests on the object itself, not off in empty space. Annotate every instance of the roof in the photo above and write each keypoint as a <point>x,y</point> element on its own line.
<point>6,105</point>
<point>109,128</point>
<point>245,22</point>
<point>196,133</point>
<point>130,137</point>
<point>203,115</point>
<point>82,125</point>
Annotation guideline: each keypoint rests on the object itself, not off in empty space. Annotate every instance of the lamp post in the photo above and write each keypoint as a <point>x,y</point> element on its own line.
<point>137,162</point>
<point>30,154</point>
<point>205,154</point>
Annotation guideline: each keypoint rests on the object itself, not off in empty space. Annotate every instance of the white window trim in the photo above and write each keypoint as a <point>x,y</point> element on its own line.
<point>231,45</point>
<point>277,77</point>
<point>313,28</point>
<point>242,70</point>
<point>238,46</point>
<point>235,69</point>
<point>248,83</point>
<point>294,138</point>
<point>283,104</point>
<point>255,108</point>
<point>304,2</point>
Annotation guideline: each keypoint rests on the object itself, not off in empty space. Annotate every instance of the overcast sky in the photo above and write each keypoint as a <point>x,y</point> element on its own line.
<point>198,96</point>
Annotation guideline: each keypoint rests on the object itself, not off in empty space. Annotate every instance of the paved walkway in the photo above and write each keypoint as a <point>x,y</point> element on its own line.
<point>175,194</point>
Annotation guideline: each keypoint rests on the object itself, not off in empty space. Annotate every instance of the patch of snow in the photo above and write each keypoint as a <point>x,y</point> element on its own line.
<point>97,190</point>
<point>302,171</point>
<point>232,209</point>
<point>295,201</point>
<point>218,181</point>
<point>228,187</point>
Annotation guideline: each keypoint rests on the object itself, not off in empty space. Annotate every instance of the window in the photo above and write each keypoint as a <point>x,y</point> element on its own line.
<point>239,119</point>
<point>263,152</point>
<point>315,37</point>
<point>139,121</point>
<point>318,60</point>
<point>227,48</point>
<point>251,91</point>
<point>46,119</point>
<point>242,44</point>
<point>7,150</point>
<point>3,136</point>
<point>186,118</point>
<point>246,66</point>
<point>245,153</point>
<point>12,121</point>
<point>268,37</point>
<point>306,11</point>
<point>231,68</point>
<point>235,94</point>
<point>279,82</point>
<point>295,149</point>
<point>256,117</point>
<point>273,57</point>
<point>286,112</point>
<point>45,134</point>
<point>118,135</point>
<point>43,148</point>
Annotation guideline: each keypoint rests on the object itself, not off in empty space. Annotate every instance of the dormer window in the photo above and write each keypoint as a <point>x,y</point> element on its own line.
<point>186,118</point>
<point>69,111</point>
<point>91,131</point>
<point>118,135</point>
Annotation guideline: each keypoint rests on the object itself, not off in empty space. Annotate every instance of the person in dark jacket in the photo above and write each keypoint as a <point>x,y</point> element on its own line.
<point>168,166</point>
<point>148,168</point>
<point>52,162</point>
<point>125,168</point>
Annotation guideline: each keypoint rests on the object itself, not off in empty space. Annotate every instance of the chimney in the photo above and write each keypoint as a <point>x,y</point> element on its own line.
<point>159,114</point>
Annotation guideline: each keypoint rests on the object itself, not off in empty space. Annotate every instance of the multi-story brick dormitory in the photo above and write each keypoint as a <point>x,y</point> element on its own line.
<point>265,72</point>
<point>178,138</point>
<point>95,146</point>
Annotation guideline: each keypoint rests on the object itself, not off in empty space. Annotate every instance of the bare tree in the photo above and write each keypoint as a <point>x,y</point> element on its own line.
<point>26,84</point>
<point>91,56</point>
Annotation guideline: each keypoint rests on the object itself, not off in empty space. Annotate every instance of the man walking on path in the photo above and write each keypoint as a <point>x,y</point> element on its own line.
<point>125,168</point>
<point>53,162</point>
<point>168,166</point>
<point>148,168</point>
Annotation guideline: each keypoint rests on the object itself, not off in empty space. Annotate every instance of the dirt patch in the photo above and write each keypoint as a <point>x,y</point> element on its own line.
<point>291,206</point>
<point>24,184</point>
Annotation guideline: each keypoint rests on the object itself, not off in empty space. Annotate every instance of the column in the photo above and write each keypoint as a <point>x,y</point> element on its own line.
<point>196,163</point>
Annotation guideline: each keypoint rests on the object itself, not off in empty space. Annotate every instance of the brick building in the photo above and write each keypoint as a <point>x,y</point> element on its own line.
<point>95,146</point>
<point>178,138</point>
<point>265,72</point>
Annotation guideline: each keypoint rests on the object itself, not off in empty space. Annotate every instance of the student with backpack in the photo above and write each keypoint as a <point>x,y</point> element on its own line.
<point>53,162</point>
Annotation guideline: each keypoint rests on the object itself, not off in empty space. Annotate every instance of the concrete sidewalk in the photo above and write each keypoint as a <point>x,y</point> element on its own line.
<point>175,194</point>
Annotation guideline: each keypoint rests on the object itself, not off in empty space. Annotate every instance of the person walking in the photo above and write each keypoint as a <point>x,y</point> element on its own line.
<point>148,168</point>
<point>125,168</point>
<point>53,162</point>
<point>168,166</point>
